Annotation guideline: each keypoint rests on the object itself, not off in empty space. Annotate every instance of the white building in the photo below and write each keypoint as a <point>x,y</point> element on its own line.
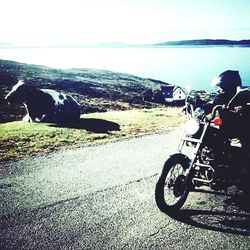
<point>173,93</point>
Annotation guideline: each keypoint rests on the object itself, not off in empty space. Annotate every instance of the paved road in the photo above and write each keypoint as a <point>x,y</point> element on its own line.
<point>102,197</point>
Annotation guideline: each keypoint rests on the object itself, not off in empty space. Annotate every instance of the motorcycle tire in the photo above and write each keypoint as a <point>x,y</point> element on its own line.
<point>172,188</point>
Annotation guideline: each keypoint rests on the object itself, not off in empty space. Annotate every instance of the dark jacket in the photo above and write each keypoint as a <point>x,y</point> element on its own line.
<point>224,98</point>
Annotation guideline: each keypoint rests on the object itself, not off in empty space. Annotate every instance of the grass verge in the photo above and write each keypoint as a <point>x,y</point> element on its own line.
<point>18,139</point>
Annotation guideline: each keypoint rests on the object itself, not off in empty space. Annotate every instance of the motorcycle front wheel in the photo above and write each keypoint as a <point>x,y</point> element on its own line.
<point>172,188</point>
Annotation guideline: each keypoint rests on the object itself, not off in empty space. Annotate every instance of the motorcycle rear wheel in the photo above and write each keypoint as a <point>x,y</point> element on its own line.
<point>172,188</point>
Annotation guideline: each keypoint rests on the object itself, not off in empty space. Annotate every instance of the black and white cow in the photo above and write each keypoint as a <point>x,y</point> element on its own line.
<point>44,105</point>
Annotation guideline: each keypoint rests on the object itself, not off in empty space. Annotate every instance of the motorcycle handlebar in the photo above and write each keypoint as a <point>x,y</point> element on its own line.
<point>215,109</point>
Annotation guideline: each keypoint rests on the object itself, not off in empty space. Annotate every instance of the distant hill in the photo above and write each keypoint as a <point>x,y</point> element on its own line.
<point>197,42</point>
<point>206,42</point>
<point>95,90</point>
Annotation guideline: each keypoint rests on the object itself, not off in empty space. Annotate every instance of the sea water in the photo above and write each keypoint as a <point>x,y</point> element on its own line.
<point>183,66</point>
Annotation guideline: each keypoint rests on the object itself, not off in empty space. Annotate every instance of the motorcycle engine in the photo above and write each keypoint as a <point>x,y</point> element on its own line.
<point>207,155</point>
<point>217,174</point>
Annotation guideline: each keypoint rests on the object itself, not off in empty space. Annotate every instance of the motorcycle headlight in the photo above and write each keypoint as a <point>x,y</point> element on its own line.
<point>191,127</point>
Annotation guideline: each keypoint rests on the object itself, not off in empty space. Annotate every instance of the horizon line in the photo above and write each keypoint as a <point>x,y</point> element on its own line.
<point>123,44</point>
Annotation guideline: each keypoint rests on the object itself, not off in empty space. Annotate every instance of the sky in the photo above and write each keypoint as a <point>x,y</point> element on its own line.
<point>60,22</point>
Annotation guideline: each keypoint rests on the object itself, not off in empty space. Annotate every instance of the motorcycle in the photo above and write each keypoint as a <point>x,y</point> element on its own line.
<point>207,156</point>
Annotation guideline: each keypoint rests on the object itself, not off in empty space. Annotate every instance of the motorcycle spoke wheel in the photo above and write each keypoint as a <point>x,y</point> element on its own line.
<point>173,186</point>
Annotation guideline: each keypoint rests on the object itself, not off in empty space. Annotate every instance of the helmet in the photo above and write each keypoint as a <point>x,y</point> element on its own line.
<point>229,79</point>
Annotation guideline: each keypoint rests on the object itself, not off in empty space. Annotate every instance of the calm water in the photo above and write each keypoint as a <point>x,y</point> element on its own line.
<point>183,66</point>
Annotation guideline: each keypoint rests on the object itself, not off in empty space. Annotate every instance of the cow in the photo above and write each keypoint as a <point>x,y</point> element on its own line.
<point>44,105</point>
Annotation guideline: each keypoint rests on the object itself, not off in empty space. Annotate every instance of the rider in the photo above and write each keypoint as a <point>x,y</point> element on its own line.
<point>228,81</point>
<point>237,122</point>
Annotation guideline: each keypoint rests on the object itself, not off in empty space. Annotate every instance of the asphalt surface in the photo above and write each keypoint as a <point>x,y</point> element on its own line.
<point>102,197</point>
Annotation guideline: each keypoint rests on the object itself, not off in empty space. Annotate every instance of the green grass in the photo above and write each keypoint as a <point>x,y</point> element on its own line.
<point>18,139</point>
